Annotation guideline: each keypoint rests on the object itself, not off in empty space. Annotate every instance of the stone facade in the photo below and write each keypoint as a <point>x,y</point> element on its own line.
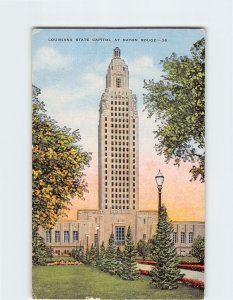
<point>92,228</point>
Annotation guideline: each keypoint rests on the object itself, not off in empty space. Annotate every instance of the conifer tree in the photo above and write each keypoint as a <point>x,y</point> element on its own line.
<point>165,273</point>
<point>93,255</point>
<point>81,254</point>
<point>111,264</point>
<point>119,259</point>
<point>129,266</point>
<point>142,249</point>
<point>102,257</point>
<point>86,258</point>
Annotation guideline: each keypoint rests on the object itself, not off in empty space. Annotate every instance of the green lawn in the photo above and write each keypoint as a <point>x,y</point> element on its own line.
<point>79,282</point>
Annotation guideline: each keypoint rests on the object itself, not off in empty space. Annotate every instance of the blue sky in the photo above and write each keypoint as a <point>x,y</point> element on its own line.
<point>71,76</point>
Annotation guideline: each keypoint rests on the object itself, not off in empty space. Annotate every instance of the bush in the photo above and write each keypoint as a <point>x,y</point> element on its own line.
<point>142,249</point>
<point>198,248</point>
<point>40,251</point>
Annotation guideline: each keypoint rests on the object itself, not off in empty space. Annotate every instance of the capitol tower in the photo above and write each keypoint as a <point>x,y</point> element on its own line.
<point>118,141</point>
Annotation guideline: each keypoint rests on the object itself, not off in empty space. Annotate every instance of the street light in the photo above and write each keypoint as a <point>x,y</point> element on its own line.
<point>97,231</point>
<point>87,235</point>
<point>159,178</point>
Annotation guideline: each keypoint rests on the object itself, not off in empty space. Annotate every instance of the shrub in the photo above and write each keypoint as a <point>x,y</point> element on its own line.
<point>40,251</point>
<point>198,248</point>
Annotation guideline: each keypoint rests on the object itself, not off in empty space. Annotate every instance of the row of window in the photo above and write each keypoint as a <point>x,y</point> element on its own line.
<point>182,237</point>
<point>120,137</point>
<point>120,132</point>
<point>118,149</point>
<point>116,201</point>
<point>116,142</point>
<point>58,236</point>
<point>117,125</point>
<point>120,114</point>
<point>119,166</point>
<point>115,138</point>
<point>120,97</point>
<point>119,207</point>
<point>118,120</point>
<point>116,167</point>
<point>118,108</point>
<point>123,161</point>
<point>126,196</point>
<point>121,190</point>
<point>119,102</point>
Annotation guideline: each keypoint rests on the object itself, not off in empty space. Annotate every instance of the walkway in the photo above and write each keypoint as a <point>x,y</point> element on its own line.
<point>188,273</point>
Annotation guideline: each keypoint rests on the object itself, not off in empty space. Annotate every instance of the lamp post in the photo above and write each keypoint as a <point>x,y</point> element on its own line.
<point>97,244</point>
<point>159,178</point>
<point>87,239</point>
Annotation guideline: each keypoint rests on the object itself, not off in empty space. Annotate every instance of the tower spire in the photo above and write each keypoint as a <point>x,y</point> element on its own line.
<point>116,53</point>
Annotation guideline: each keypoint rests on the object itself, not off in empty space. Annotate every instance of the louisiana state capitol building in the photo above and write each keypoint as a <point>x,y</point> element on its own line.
<point>118,177</point>
<point>118,141</point>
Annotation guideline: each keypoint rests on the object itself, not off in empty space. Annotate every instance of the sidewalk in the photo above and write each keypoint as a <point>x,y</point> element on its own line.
<point>188,273</point>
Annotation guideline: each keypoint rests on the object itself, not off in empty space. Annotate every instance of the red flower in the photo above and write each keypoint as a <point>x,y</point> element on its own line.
<point>193,282</point>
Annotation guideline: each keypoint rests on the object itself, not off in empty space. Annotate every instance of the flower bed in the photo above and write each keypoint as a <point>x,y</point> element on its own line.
<point>63,263</point>
<point>193,282</point>
<point>187,266</point>
<point>144,272</point>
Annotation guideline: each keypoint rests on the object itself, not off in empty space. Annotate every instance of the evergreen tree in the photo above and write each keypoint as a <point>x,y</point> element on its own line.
<point>102,257</point>
<point>142,249</point>
<point>165,274</point>
<point>81,254</point>
<point>93,255</point>
<point>86,258</point>
<point>74,253</point>
<point>111,264</point>
<point>40,251</point>
<point>119,259</point>
<point>129,267</point>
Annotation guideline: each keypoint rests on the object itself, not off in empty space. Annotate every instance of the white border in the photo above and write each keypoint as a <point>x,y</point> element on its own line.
<point>17,18</point>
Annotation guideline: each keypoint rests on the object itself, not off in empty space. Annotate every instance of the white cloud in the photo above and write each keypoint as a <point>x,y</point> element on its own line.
<point>144,67</point>
<point>94,81</point>
<point>50,59</point>
<point>140,69</point>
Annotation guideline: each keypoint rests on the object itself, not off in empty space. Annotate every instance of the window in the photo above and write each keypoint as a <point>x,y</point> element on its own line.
<point>57,236</point>
<point>144,237</point>
<point>174,237</point>
<point>182,237</point>
<point>66,236</point>
<point>75,236</point>
<point>48,236</point>
<point>118,82</point>
<point>190,237</point>
<point>120,234</point>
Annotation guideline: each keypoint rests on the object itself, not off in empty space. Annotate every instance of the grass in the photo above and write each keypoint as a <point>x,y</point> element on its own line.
<point>79,282</point>
<point>187,259</point>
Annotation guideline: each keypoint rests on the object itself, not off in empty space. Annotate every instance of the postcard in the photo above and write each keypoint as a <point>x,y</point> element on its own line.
<point>118,163</point>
